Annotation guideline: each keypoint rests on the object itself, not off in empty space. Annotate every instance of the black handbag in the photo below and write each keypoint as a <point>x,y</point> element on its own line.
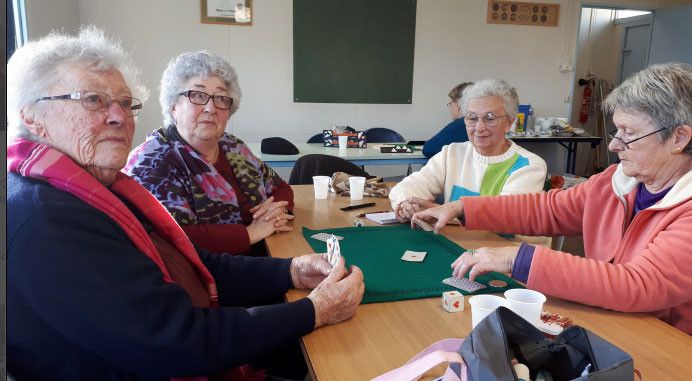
<point>575,354</point>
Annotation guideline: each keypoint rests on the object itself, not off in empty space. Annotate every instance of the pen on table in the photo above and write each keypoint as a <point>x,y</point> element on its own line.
<point>359,206</point>
<point>381,211</point>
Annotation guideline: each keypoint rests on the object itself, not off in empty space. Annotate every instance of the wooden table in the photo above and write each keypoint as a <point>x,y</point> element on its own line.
<point>383,336</point>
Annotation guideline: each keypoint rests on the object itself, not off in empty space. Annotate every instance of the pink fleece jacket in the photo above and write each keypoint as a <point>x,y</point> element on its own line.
<point>640,264</point>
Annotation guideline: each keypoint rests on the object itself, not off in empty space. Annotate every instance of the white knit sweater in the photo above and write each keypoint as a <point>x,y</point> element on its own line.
<point>459,170</point>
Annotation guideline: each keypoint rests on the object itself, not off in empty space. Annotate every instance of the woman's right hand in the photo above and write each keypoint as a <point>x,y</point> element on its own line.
<point>412,205</point>
<point>261,228</point>
<point>440,215</point>
<point>336,298</point>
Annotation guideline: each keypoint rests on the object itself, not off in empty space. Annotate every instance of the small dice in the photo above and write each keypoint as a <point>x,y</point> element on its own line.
<point>453,301</point>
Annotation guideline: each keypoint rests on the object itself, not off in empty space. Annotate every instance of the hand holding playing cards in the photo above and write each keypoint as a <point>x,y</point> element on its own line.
<point>307,271</point>
<point>337,296</point>
<point>440,215</point>
<point>407,208</point>
<point>485,260</point>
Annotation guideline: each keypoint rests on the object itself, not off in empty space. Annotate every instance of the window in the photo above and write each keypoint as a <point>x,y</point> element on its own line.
<point>624,13</point>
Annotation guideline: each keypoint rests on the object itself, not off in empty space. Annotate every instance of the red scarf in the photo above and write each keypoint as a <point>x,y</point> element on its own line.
<point>36,160</point>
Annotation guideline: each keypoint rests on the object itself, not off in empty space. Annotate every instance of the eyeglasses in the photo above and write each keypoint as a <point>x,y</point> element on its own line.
<point>201,98</point>
<point>452,103</point>
<point>489,119</point>
<point>98,101</point>
<point>612,136</point>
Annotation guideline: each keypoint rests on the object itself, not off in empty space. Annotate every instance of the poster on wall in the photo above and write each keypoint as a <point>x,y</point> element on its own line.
<point>522,13</point>
<point>230,12</point>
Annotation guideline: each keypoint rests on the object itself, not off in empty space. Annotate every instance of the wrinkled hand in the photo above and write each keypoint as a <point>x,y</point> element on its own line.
<point>438,216</point>
<point>337,296</point>
<point>261,228</point>
<point>485,260</point>
<point>307,271</point>
<point>269,209</point>
<point>407,208</point>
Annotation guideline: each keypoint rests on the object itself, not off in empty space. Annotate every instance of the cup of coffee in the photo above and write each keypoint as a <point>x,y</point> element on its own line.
<point>526,303</point>
<point>343,142</point>
<point>483,305</point>
<point>356,186</point>
<point>321,184</point>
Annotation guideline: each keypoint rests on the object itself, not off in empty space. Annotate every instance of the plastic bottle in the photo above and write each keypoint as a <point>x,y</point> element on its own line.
<point>529,122</point>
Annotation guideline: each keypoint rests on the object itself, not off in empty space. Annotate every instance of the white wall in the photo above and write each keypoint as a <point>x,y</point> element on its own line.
<point>453,44</point>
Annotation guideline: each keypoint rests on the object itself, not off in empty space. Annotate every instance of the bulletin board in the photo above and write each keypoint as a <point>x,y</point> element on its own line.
<point>522,13</point>
<point>353,51</point>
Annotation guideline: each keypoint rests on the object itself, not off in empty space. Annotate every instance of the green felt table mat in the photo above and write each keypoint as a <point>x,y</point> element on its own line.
<point>377,250</point>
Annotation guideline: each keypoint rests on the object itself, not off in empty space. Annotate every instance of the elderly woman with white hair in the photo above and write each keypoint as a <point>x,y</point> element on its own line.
<point>102,284</point>
<point>635,217</point>
<point>488,164</point>
<point>224,197</point>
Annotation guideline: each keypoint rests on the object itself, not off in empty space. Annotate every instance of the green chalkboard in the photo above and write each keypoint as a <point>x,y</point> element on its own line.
<point>353,51</point>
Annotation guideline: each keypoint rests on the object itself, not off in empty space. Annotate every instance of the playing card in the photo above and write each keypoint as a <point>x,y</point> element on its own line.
<point>325,236</point>
<point>414,256</point>
<point>464,284</point>
<point>333,250</point>
<point>423,225</point>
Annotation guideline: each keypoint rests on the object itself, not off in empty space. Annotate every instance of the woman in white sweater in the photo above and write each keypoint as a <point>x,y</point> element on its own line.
<point>488,164</point>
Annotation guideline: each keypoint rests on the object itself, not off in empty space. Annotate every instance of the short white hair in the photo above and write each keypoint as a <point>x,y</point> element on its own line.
<point>190,65</point>
<point>492,88</point>
<point>35,68</point>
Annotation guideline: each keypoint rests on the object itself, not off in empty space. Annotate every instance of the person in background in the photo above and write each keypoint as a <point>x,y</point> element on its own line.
<point>224,197</point>
<point>635,217</point>
<point>454,132</point>
<point>488,164</point>
<point>102,283</point>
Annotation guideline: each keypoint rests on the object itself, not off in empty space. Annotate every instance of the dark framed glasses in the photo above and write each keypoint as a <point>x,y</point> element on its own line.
<point>201,98</point>
<point>98,101</point>
<point>627,143</point>
<point>489,119</point>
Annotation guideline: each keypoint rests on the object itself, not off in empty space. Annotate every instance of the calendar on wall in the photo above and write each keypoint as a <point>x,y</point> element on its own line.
<point>520,13</point>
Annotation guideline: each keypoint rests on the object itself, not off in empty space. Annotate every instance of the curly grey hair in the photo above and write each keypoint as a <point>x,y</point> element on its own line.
<point>663,92</point>
<point>195,64</point>
<point>492,88</point>
<point>37,67</point>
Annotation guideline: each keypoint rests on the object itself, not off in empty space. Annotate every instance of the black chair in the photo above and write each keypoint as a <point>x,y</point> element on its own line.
<point>322,165</point>
<point>383,135</point>
<point>318,138</point>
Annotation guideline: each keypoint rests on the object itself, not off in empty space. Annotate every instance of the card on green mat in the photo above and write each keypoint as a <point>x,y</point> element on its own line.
<point>377,250</point>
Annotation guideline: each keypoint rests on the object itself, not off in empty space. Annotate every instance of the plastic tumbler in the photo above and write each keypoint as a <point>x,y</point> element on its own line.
<point>483,305</point>
<point>526,303</point>
<point>321,184</point>
<point>356,185</point>
<point>343,142</point>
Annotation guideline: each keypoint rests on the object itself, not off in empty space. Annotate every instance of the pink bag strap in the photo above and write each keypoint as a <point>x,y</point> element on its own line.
<point>437,353</point>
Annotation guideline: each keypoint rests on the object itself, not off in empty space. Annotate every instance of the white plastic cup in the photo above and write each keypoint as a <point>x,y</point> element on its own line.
<point>526,303</point>
<point>356,185</point>
<point>343,142</point>
<point>483,305</point>
<point>321,184</point>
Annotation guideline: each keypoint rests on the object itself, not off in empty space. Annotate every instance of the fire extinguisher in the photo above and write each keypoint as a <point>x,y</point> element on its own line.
<point>585,101</point>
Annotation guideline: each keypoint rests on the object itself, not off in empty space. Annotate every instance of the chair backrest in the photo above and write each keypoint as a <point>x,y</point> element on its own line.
<point>318,138</point>
<point>322,165</point>
<point>383,135</point>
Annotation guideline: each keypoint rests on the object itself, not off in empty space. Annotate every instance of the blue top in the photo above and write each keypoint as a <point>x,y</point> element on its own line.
<point>83,303</point>
<point>454,132</point>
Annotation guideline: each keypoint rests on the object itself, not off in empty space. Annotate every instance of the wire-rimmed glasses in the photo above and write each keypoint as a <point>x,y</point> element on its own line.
<point>98,101</point>
<point>612,136</point>
<point>489,119</point>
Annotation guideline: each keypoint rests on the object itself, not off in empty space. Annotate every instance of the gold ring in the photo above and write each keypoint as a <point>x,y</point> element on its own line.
<point>471,252</point>
<point>278,219</point>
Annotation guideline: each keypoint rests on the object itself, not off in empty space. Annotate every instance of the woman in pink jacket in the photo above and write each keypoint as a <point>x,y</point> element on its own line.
<point>635,217</point>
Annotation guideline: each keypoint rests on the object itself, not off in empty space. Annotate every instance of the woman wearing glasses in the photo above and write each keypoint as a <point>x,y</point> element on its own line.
<point>488,164</point>
<point>635,217</point>
<point>224,197</point>
<point>455,131</point>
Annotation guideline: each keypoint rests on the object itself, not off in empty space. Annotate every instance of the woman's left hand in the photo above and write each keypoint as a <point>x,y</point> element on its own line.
<point>485,260</point>
<point>307,271</point>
